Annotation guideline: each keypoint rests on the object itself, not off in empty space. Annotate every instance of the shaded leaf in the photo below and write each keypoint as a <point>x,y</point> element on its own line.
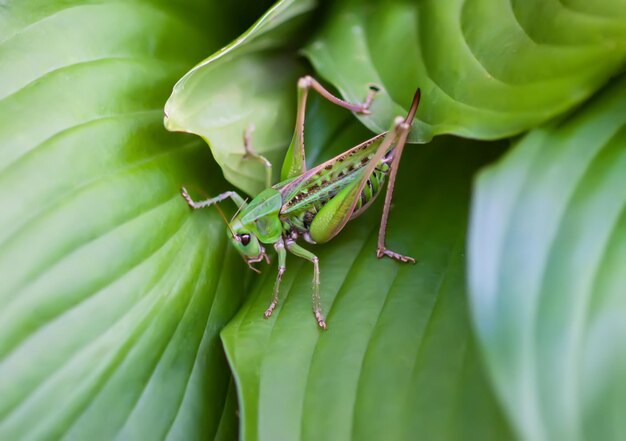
<point>487,68</point>
<point>112,292</point>
<point>399,360</point>
<point>547,259</point>
<point>250,83</point>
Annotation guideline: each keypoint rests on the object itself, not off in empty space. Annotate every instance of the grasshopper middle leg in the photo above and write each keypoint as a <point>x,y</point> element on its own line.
<point>282,257</point>
<point>252,154</point>
<point>317,307</point>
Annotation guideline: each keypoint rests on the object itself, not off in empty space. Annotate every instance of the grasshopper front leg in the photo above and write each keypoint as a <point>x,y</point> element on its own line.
<point>282,257</point>
<point>238,200</point>
<point>296,249</point>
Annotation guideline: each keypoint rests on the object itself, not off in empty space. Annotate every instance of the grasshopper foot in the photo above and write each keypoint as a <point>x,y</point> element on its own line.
<point>364,108</point>
<point>268,312</point>
<point>382,252</point>
<point>320,320</point>
<point>190,201</point>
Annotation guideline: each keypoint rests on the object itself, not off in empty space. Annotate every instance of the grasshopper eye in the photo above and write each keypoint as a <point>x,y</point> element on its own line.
<point>245,239</point>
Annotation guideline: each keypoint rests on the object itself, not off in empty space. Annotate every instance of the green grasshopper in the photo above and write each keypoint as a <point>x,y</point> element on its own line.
<point>316,204</point>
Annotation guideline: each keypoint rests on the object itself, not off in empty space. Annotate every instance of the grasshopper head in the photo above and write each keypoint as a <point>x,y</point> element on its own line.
<point>246,242</point>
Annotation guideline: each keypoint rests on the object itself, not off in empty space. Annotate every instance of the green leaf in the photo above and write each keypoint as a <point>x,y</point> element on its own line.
<point>487,69</point>
<point>112,291</point>
<point>547,259</point>
<point>398,360</point>
<point>250,83</point>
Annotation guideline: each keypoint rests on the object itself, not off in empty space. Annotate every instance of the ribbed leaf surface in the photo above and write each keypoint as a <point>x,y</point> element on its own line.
<point>112,292</point>
<point>488,68</point>
<point>547,260</point>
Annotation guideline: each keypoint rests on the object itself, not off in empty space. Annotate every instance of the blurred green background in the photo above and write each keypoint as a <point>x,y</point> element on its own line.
<point>124,315</point>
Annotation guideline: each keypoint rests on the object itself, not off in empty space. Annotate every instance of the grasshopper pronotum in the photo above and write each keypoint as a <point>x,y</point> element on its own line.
<point>316,204</point>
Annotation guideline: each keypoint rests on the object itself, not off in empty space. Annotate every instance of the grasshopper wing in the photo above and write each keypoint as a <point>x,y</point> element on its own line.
<point>339,210</point>
<point>334,215</point>
<point>267,203</point>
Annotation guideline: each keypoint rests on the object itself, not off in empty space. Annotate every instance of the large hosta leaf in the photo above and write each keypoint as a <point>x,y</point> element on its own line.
<point>248,84</point>
<point>112,292</point>
<point>548,271</point>
<point>399,360</point>
<point>488,68</point>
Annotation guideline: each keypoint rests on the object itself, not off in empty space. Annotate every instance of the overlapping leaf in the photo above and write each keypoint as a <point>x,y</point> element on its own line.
<point>250,84</point>
<point>547,261</point>
<point>112,293</point>
<point>399,360</point>
<point>488,68</point>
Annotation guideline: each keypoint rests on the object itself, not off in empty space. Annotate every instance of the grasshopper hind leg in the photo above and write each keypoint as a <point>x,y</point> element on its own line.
<point>295,161</point>
<point>402,128</point>
<point>382,250</point>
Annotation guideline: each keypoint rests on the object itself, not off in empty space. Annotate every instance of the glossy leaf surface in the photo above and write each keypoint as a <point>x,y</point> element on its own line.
<point>112,292</point>
<point>487,68</point>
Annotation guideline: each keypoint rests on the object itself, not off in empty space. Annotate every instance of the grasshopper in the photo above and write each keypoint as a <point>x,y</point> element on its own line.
<point>315,204</point>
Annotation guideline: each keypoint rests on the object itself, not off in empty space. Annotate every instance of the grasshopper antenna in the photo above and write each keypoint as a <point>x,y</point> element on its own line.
<point>219,210</point>
<point>239,209</point>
